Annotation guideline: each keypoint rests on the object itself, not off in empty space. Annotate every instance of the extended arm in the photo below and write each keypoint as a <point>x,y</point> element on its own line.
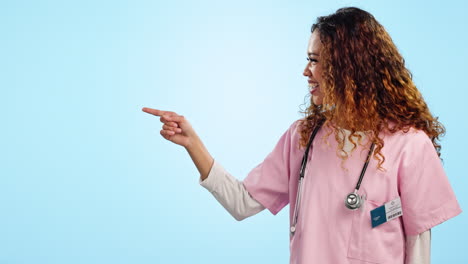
<point>230,193</point>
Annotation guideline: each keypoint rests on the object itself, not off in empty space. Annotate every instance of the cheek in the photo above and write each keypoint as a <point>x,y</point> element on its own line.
<point>318,75</point>
<point>317,72</point>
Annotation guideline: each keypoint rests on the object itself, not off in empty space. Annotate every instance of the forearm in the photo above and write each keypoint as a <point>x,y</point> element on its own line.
<point>231,193</point>
<point>200,157</point>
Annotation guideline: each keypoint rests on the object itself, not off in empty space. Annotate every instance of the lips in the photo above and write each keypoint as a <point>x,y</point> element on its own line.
<point>313,87</point>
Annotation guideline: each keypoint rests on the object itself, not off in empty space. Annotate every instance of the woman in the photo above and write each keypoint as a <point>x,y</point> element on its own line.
<point>375,140</point>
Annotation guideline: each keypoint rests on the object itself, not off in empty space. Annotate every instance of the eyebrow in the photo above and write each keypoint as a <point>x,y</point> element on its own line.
<point>312,53</point>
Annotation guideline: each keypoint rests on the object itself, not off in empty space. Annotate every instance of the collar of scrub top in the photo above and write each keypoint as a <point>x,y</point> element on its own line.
<point>352,201</point>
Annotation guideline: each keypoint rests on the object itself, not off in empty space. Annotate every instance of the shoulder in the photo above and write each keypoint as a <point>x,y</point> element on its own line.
<point>409,148</point>
<point>296,123</point>
<point>295,127</point>
<point>292,135</point>
<point>407,138</point>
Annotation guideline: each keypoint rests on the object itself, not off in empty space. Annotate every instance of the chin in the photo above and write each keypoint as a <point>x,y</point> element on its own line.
<point>316,100</point>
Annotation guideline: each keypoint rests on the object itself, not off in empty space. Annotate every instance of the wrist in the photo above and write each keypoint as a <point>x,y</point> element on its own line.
<point>193,144</point>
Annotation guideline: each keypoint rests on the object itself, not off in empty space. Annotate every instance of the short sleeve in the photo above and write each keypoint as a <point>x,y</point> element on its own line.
<point>268,182</point>
<point>426,195</point>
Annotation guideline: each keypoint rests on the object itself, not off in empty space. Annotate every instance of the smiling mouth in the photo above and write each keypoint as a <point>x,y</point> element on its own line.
<point>313,87</point>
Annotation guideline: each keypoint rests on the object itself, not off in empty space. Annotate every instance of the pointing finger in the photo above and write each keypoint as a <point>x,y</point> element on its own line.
<point>157,112</point>
<point>152,111</point>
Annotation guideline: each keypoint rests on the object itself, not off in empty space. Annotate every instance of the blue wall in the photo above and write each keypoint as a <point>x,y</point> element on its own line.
<point>85,176</point>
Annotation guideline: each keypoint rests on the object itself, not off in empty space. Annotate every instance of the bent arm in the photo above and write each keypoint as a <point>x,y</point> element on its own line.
<point>200,156</point>
<point>230,193</point>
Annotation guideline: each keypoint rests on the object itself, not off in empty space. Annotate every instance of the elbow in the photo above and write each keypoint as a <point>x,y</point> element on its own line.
<point>239,217</point>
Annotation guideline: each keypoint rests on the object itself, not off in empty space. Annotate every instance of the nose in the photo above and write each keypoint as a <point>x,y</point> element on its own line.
<point>307,71</point>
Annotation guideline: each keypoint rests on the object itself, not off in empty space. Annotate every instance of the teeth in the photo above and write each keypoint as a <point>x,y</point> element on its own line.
<point>313,85</point>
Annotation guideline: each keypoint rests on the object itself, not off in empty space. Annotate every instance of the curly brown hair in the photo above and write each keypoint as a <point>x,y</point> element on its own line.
<point>366,85</point>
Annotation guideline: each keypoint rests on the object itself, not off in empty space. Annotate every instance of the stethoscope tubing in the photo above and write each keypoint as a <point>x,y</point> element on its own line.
<point>301,179</point>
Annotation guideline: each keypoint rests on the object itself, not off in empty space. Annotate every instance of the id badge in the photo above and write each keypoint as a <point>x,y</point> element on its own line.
<point>386,212</point>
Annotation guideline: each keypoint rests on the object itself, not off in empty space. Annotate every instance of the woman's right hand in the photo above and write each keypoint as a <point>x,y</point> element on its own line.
<point>175,127</point>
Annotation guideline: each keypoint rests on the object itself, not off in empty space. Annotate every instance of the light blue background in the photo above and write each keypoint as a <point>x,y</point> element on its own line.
<point>85,176</point>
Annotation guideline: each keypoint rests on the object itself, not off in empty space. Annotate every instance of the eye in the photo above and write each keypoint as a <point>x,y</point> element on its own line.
<point>311,60</point>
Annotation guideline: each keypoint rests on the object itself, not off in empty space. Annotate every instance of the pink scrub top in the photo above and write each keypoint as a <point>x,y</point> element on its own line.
<point>328,232</point>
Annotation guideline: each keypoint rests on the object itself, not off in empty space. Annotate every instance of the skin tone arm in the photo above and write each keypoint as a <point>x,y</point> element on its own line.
<point>178,130</point>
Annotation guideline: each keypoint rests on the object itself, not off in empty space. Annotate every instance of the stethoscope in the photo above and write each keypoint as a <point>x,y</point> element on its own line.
<point>352,201</point>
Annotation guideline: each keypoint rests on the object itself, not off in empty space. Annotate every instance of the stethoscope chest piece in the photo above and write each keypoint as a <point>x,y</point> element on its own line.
<point>353,201</point>
<point>293,229</point>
